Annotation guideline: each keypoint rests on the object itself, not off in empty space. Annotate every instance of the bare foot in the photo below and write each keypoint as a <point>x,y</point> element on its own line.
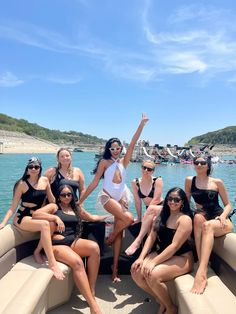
<point>38,257</point>
<point>132,249</point>
<point>57,272</point>
<point>95,309</point>
<point>115,277</point>
<point>199,285</point>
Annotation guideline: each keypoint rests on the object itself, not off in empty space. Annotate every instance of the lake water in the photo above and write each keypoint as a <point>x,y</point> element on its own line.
<point>12,167</point>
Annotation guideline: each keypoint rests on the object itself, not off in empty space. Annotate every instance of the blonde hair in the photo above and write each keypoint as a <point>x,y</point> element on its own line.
<point>70,168</point>
<point>150,162</point>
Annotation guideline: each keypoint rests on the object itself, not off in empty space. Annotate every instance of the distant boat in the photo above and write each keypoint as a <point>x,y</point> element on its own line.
<point>77,150</point>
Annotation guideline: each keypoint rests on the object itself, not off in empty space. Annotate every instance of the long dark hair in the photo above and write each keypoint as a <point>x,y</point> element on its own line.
<point>74,207</point>
<point>165,212</point>
<point>106,153</point>
<point>26,176</point>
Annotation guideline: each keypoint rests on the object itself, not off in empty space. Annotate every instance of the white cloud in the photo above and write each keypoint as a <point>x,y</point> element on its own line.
<point>193,39</point>
<point>63,80</point>
<point>8,79</point>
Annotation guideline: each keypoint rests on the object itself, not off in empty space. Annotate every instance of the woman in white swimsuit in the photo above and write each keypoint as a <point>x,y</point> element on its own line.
<point>114,194</point>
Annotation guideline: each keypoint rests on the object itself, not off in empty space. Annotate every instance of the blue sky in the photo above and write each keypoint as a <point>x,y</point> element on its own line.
<point>94,66</point>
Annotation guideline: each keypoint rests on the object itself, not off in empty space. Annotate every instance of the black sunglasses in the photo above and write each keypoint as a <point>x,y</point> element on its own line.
<point>200,162</point>
<point>66,194</point>
<point>174,199</point>
<point>147,168</point>
<point>36,167</point>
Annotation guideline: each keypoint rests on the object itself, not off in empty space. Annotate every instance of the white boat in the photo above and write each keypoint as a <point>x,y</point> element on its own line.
<point>28,288</point>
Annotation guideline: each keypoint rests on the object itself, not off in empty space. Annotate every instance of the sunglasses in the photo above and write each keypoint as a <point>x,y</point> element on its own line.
<point>66,194</point>
<point>200,162</point>
<point>174,199</point>
<point>147,168</point>
<point>112,149</point>
<point>33,167</point>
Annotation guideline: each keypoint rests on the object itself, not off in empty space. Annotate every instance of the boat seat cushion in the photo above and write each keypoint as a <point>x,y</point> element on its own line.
<point>216,299</point>
<point>31,288</point>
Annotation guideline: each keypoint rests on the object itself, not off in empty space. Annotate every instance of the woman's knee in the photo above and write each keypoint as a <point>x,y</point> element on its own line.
<point>198,220</point>
<point>94,249</point>
<point>76,263</point>
<point>44,225</point>
<point>129,218</point>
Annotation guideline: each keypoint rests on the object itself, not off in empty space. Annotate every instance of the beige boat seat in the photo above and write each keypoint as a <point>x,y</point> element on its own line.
<point>27,287</point>
<point>219,296</point>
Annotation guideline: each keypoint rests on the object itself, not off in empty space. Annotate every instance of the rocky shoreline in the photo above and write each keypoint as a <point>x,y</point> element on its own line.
<point>20,143</point>
<point>224,150</point>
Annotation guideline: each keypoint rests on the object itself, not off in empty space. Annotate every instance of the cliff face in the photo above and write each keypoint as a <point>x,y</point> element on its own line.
<point>15,142</point>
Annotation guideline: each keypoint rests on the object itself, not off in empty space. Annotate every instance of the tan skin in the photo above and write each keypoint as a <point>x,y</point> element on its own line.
<point>123,218</point>
<point>29,224</point>
<point>72,255</point>
<point>64,160</point>
<point>206,230</point>
<point>153,209</point>
<point>151,271</point>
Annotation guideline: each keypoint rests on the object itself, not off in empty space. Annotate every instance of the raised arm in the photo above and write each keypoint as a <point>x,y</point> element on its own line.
<point>134,140</point>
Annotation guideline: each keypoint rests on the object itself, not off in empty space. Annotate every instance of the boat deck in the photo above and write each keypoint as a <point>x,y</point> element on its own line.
<point>123,297</point>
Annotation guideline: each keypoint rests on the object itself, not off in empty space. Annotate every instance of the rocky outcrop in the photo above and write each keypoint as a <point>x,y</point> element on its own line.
<point>16,142</point>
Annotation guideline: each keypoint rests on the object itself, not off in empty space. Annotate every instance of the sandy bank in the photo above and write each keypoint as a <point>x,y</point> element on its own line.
<point>15,142</point>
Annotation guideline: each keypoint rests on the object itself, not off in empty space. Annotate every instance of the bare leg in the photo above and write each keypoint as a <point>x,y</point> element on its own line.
<point>198,226</point>
<point>37,252</point>
<point>90,249</point>
<point>123,219</point>
<point>210,230</point>
<point>116,249</point>
<point>139,279</point>
<point>175,266</point>
<point>152,211</point>
<point>66,255</point>
<point>33,225</point>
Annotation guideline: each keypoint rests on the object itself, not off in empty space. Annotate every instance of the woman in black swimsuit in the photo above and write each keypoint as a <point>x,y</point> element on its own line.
<point>171,255</point>
<point>147,189</point>
<point>31,190</point>
<point>210,219</point>
<point>69,247</point>
<point>64,173</point>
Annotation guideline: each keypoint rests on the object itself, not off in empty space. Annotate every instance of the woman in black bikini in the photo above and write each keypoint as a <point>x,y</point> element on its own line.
<point>147,189</point>
<point>31,190</point>
<point>210,220</point>
<point>172,255</point>
<point>69,247</point>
